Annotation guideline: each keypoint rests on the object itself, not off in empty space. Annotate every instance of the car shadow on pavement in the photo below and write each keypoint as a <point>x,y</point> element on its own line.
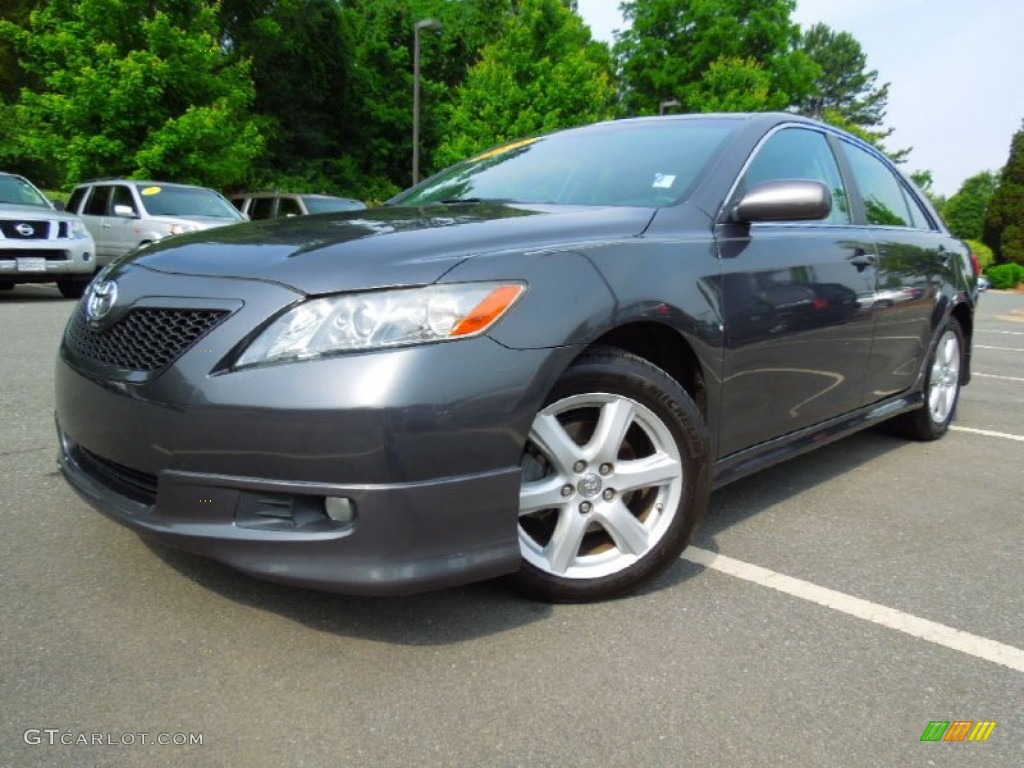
<point>747,497</point>
<point>461,613</point>
<point>431,618</point>
<point>32,294</point>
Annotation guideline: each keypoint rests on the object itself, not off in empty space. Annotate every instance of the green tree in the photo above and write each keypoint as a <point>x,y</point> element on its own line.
<point>845,86</point>
<point>378,153</point>
<point>965,211</point>
<point>133,87</point>
<point>302,72</point>
<point>671,45</point>
<point>1004,224</point>
<point>544,73</point>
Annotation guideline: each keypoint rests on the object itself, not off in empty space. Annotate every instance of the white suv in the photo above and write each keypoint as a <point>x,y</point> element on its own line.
<point>123,214</point>
<point>38,243</point>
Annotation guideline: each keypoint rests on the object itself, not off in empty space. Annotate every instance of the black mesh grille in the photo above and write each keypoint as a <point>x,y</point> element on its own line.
<point>25,230</point>
<point>144,339</point>
<point>128,482</point>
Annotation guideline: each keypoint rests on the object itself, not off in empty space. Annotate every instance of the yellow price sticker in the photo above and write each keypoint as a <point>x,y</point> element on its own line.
<point>505,148</point>
<point>151,191</point>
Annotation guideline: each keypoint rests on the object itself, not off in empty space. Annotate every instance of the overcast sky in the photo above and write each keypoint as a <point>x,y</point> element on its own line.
<point>956,69</point>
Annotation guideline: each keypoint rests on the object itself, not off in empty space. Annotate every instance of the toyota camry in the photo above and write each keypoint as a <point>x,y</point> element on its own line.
<point>538,363</point>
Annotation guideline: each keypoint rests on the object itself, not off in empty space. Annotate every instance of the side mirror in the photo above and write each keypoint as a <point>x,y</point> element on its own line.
<point>785,200</point>
<point>125,211</point>
<point>59,205</point>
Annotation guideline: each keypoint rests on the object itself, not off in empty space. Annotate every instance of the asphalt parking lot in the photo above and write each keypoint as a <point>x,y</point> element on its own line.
<point>813,622</point>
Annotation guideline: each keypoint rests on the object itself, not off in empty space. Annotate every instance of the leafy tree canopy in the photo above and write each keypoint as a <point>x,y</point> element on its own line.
<point>544,73</point>
<point>671,46</point>
<point>129,90</point>
<point>965,211</point>
<point>845,86</point>
<point>1004,224</point>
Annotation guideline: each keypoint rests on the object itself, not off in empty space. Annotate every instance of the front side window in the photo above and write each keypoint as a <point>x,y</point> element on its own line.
<point>884,201</point>
<point>261,208</point>
<point>123,196</point>
<point>288,206</point>
<point>798,153</point>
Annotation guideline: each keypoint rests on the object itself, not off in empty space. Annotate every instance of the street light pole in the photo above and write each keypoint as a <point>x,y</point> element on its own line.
<point>420,26</point>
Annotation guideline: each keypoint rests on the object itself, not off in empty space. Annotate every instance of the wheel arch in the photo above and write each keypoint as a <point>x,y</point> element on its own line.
<point>963,315</point>
<point>666,348</point>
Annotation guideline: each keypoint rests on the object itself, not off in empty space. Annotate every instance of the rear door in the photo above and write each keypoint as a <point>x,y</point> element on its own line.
<point>796,301</point>
<point>94,213</point>
<point>915,261</point>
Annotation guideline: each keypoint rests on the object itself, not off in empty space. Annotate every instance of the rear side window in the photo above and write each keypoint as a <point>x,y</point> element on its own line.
<point>96,205</point>
<point>884,201</point>
<point>75,201</point>
<point>797,153</point>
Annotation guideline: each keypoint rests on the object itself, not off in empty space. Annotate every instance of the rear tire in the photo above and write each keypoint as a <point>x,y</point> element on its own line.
<point>615,479</point>
<point>941,388</point>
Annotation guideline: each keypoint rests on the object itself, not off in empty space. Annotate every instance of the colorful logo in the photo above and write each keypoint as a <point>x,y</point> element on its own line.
<point>958,730</point>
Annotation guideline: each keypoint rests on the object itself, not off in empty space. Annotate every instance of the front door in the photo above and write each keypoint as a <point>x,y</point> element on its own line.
<point>797,304</point>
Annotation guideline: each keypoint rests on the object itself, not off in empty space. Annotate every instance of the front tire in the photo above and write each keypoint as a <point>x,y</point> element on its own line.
<point>942,388</point>
<point>615,479</point>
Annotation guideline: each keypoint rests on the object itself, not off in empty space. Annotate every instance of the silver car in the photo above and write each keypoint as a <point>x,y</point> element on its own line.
<point>38,243</point>
<point>123,214</point>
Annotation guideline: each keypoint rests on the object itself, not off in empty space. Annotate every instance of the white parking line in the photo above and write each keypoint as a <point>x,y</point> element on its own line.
<point>994,376</point>
<point>988,433</point>
<point>1008,333</point>
<point>1005,349</point>
<point>933,632</point>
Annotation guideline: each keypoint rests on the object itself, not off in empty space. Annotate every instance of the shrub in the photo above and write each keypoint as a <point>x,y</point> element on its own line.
<point>1006,275</point>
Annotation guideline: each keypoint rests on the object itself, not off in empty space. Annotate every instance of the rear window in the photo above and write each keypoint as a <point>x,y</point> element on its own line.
<point>641,164</point>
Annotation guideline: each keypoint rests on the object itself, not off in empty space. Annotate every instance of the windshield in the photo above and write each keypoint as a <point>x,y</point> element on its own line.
<point>16,190</point>
<point>636,163</point>
<point>332,204</point>
<point>186,201</point>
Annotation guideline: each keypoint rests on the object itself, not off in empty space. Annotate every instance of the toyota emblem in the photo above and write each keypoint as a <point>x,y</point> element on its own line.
<point>100,300</point>
<point>25,230</point>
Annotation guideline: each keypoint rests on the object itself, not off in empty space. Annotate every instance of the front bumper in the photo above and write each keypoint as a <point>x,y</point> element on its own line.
<point>403,538</point>
<point>45,260</point>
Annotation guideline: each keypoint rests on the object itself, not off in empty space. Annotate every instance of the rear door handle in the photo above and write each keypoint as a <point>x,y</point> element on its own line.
<point>862,259</point>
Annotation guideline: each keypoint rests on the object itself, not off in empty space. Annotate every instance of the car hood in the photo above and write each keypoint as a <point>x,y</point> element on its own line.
<point>382,247</point>
<point>34,212</point>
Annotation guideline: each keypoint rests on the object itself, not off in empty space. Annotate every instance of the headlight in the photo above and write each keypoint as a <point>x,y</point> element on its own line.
<point>77,229</point>
<point>379,319</point>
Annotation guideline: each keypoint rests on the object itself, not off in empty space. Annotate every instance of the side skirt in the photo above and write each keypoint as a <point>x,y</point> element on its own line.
<point>758,457</point>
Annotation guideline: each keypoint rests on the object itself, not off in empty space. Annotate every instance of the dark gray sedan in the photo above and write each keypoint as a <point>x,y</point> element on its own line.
<point>538,362</point>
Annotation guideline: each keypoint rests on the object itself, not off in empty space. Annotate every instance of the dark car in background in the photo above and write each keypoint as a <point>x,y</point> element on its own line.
<point>278,205</point>
<point>537,363</point>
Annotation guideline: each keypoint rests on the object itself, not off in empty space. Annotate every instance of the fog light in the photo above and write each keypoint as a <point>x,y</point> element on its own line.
<point>340,509</point>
